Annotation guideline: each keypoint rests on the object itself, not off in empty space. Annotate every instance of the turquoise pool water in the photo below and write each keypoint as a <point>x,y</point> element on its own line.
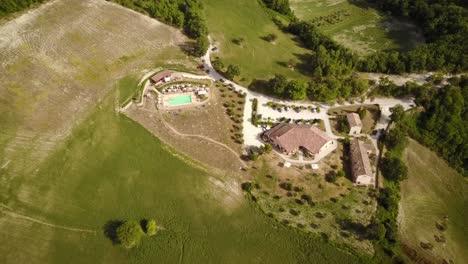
<point>179,100</point>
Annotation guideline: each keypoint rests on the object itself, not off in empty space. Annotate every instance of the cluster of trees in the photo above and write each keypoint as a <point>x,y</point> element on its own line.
<point>444,23</point>
<point>129,233</point>
<point>394,170</point>
<point>186,14</point>
<point>255,152</point>
<point>231,71</point>
<point>290,89</point>
<point>255,117</point>
<point>326,89</point>
<point>443,125</point>
<point>11,6</point>
<point>328,58</point>
<point>280,6</point>
<point>445,27</point>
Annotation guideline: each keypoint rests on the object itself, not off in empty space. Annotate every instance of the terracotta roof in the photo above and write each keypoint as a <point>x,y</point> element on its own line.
<point>292,136</point>
<point>354,120</point>
<point>360,164</point>
<point>161,75</point>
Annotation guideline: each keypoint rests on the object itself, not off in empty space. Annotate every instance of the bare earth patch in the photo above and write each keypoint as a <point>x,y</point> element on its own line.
<point>59,61</point>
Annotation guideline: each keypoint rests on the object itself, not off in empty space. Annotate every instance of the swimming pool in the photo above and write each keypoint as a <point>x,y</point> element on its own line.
<point>180,100</point>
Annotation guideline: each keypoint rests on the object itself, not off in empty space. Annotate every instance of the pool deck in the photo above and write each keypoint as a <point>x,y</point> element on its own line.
<point>165,105</point>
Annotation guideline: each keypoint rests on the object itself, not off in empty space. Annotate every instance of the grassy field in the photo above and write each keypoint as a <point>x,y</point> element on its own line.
<point>69,163</point>
<point>257,58</point>
<point>59,61</point>
<point>433,191</point>
<point>128,88</point>
<point>113,169</point>
<point>357,25</point>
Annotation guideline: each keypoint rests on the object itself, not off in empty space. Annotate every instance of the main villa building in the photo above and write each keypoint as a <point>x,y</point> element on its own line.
<point>289,138</point>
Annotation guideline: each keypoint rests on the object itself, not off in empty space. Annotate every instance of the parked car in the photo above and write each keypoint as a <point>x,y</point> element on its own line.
<point>214,49</point>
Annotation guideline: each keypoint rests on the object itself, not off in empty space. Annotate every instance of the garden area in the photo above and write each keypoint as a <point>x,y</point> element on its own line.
<point>242,30</point>
<point>358,26</point>
<point>322,202</point>
<point>220,119</point>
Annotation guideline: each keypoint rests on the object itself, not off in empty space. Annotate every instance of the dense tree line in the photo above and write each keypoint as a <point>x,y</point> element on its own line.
<point>11,6</point>
<point>443,125</point>
<point>394,170</point>
<point>330,64</point>
<point>280,6</point>
<point>186,14</point>
<point>325,90</point>
<point>445,27</point>
<point>328,57</point>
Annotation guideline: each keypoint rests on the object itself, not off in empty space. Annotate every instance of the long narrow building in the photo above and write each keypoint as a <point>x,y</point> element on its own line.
<point>360,164</point>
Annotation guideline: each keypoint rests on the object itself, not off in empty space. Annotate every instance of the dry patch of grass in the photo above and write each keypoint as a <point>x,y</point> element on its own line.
<point>358,25</point>
<point>211,119</point>
<point>196,148</point>
<point>60,60</point>
<point>303,198</point>
<point>433,207</point>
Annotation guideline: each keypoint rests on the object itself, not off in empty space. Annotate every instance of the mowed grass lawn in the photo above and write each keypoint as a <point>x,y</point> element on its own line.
<point>113,169</point>
<point>360,27</point>
<point>432,191</point>
<point>127,87</point>
<point>257,58</point>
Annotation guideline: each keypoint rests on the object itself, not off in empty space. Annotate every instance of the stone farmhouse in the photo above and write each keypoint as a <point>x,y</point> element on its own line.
<point>360,164</point>
<point>289,138</point>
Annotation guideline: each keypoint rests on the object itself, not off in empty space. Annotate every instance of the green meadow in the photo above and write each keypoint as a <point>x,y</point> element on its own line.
<point>229,20</point>
<point>433,194</point>
<point>112,169</point>
<point>358,26</point>
<point>127,88</point>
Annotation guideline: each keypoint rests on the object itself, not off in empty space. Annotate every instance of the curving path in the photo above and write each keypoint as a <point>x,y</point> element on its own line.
<point>204,138</point>
<point>176,132</point>
<point>251,132</point>
<point>8,211</point>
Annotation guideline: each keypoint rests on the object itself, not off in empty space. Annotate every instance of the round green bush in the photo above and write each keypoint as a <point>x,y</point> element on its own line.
<point>151,227</point>
<point>129,234</point>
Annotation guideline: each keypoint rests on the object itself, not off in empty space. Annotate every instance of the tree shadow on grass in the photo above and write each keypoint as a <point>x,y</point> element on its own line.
<point>304,62</point>
<point>346,161</point>
<point>110,230</point>
<point>144,225</point>
<point>355,228</point>
<point>187,47</point>
<point>260,86</point>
